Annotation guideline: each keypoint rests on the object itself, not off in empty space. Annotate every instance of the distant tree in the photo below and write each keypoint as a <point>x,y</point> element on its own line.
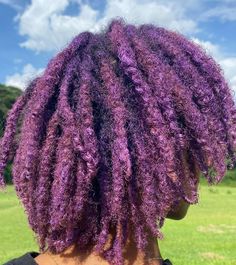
<point>8,96</point>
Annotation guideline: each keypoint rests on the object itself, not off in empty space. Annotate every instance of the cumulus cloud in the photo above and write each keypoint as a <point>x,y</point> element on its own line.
<point>227,63</point>
<point>48,28</point>
<point>11,3</point>
<point>21,80</point>
<point>224,13</point>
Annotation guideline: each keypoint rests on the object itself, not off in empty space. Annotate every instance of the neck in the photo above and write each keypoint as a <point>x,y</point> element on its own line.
<point>152,255</point>
<point>132,255</point>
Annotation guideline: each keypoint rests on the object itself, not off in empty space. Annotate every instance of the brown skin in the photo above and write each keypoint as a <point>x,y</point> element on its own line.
<point>180,211</point>
<point>131,254</point>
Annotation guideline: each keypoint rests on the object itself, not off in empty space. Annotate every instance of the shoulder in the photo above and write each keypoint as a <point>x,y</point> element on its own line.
<point>25,259</point>
<point>167,262</point>
<point>43,259</point>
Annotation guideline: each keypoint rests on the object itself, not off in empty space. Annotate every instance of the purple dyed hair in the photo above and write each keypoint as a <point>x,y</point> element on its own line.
<point>104,135</point>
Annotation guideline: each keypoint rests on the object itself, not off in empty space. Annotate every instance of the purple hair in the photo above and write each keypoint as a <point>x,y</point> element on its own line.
<point>105,131</point>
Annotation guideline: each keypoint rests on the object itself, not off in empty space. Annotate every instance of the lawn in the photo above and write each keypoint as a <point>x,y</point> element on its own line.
<point>207,235</point>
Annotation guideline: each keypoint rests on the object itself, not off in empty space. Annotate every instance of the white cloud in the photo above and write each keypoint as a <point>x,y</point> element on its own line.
<point>229,66</point>
<point>227,63</point>
<point>48,28</point>
<point>11,3</point>
<point>211,48</point>
<point>21,80</point>
<point>168,14</point>
<point>223,12</point>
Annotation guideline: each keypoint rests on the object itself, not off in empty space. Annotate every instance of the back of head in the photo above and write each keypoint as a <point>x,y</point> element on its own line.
<point>105,133</point>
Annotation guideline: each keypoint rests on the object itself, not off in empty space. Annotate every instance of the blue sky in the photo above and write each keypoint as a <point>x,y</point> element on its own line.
<point>33,31</point>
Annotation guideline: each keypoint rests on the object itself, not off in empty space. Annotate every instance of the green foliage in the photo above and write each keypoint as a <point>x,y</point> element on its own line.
<point>8,96</point>
<point>229,179</point>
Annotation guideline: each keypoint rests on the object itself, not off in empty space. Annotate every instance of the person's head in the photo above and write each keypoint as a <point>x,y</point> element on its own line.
<point>112,133</point>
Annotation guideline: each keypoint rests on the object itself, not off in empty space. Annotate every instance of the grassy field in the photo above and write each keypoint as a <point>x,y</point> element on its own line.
<point>207,235</point>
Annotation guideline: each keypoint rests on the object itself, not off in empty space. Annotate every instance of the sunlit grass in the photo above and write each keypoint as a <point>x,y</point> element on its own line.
<point>207,235</point>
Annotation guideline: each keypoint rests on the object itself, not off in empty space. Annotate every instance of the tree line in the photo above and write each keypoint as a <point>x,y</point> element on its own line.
<point>8,95</point>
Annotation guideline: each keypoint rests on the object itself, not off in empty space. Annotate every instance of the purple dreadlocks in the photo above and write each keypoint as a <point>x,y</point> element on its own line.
<point>104,132</point>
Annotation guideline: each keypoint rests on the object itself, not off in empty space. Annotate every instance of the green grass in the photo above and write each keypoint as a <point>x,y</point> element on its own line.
<point>207,235</point>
